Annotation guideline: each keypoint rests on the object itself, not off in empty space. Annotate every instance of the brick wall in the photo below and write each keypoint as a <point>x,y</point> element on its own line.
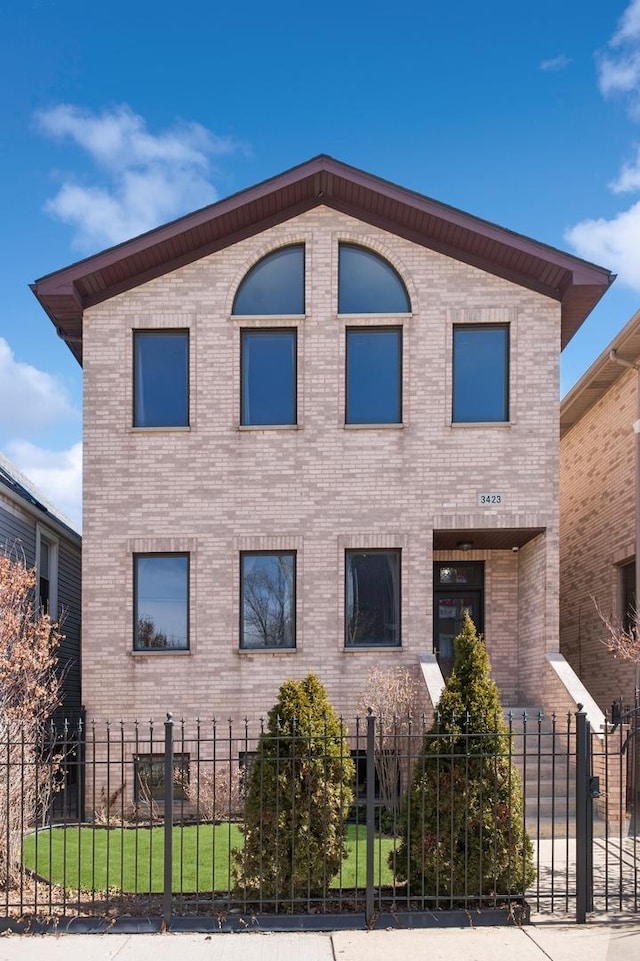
<point>215,489</point>
<point>597,499</point>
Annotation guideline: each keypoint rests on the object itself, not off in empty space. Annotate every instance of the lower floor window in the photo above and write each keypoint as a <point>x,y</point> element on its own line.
<point>372,598</point>
<point>161,605</point>
<point>149,778</point>
<point>268,601</point>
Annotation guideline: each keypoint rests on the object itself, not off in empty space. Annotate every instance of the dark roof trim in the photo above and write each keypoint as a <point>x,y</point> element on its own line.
<point>18,488</point>
<point>602,375</point>
<point>577,284</point>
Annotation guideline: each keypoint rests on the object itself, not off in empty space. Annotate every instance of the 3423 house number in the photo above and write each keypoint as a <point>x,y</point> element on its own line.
<point>490,499</point>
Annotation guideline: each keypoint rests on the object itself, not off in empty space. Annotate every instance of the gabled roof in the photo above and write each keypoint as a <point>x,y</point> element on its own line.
<point>19,488</point>
<point>576,284</point>
<point>602,375</point>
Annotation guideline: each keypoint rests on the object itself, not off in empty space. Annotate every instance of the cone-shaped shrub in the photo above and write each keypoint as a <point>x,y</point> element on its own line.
<point>299,794</point>
<point>462,830</point>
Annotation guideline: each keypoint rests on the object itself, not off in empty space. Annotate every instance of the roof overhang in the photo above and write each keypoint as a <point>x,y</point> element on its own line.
<point>602,375</point>
<point>485,538</point>
<point>576,284</point>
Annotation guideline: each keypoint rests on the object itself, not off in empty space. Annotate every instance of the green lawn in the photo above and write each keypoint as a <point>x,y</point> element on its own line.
<point>130,860</point>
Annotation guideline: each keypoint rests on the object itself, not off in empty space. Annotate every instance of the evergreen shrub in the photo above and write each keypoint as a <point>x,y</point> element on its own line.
<point>462,827</point>
<point>299,794</point>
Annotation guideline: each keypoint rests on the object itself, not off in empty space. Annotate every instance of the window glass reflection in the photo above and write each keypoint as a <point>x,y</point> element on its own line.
<point>372,598</point>
<point>480,374</point>
<point>268,600</point>
<point>161,602</point>
<point>367,284</point>
<point>275,285</point>
<point>161,379</point>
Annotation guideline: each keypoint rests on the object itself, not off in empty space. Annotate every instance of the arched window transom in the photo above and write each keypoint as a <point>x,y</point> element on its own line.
<point>368,284</point>
<point>275,285</point>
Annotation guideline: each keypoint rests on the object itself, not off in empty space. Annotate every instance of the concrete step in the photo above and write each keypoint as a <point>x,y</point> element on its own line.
<point>559,827</point>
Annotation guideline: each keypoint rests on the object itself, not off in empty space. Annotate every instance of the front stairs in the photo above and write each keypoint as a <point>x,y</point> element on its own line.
<point>545,757</point>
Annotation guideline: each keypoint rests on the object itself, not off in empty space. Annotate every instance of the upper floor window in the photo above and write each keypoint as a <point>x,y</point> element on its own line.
<point>374,375</point>
<point>268,376</point>
<point>275,285</point>
<point>268,599</point>
<point>161,602</point>
<point>47,571</point>
<point>480,373</point>
<point>367,284</point>
<point>161,378</point>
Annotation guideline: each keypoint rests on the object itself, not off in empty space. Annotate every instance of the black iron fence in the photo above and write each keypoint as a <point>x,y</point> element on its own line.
<point>230,826</point>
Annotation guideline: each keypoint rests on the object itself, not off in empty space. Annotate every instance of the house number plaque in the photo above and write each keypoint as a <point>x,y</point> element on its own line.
<point>490,499</point>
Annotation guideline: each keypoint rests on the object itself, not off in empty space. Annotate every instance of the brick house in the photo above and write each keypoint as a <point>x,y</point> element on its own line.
<point>598,512</point>
<point>321,421</point>
<point>41,536</point>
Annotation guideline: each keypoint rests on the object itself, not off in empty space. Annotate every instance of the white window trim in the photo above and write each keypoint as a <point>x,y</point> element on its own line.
<point>45,534</point>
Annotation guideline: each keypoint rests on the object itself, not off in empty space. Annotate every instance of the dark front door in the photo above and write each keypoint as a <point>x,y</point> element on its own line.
<point>458,588</point>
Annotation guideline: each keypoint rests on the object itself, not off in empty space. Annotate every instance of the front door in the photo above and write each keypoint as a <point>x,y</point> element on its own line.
<point>458,588</point>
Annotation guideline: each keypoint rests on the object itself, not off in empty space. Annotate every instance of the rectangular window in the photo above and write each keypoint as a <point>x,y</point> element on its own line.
<point>374,375</point>
<point>268,368</point>
<point>372,598</point>
<point>267,600</point>
<point>480,373</point>
<point>161,378</point>
<point>161,605</point>
<point>246,762</point>
<point>149,778</point>
<point>628,597</point>
<point>47,571</point>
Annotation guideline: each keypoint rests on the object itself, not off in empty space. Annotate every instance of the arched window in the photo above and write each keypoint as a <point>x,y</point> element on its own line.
<point>275,285</point>
<point>367,284</point>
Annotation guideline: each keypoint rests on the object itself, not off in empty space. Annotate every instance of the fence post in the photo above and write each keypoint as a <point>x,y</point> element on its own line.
<point>81,760</point>
<point>168,822</point>
<point>584,830</point>
<point>370,814</point>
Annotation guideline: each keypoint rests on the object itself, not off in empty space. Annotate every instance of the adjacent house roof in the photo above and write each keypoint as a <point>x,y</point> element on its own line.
<point>20,489</point>
<point>602,374</point>
<point>576,284</point>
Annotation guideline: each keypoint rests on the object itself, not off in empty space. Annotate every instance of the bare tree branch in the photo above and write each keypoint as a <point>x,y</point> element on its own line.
<point>621,641</point>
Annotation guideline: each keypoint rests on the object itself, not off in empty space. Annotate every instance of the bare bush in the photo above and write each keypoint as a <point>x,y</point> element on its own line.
<point>392,695</point>
<point>108,808</point>
<point>217,794</point>
<point>29,693</point>
<point>622,641</point>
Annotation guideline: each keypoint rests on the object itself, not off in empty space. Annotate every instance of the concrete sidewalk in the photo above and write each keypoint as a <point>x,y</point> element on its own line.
<point>612,940</point>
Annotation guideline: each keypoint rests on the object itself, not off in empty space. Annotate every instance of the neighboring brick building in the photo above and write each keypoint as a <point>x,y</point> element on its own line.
<point>598,505</point>
<point>40,536</point>
<point>317,413</point>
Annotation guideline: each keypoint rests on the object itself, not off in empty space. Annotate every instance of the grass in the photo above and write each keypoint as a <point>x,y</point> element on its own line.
<point>132,860</point>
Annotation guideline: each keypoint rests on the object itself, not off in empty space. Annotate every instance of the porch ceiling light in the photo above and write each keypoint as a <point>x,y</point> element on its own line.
<point>464,545</point>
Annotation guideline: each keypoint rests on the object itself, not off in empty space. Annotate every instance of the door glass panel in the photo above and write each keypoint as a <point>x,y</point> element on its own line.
<point>457,591</point>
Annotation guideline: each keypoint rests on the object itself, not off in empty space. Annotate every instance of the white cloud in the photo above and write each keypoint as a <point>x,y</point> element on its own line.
<point>629,25</point>
<point>147,178</point>
<point>619,68</point>
<point>556,63</point>
<point>619,74</point>
<point>629,177</point>
<point>30,399</point>
<point>614,243</point>
<point>58,474</point>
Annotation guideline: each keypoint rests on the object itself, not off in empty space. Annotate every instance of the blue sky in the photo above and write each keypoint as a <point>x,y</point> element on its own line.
<point>117,117</point>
